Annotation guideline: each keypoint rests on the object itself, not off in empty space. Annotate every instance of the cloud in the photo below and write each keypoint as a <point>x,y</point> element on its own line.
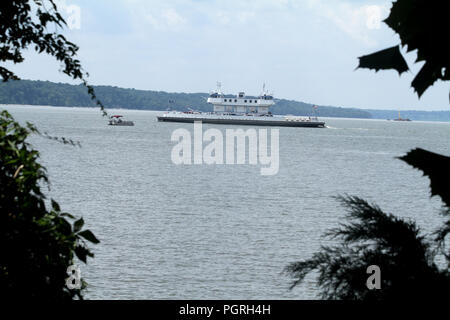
<point>168,19</point>
<point>356,20</point>
<point>165,19</point>
<point>229,18</point>
<point>301,48</point>
<point>187,12</point>
<point>159,15</point>
<point>71,13</point>
<point>374,16</point>
<point>172,17</point>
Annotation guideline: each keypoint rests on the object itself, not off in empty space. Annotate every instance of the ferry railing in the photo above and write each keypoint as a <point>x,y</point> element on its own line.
<point>243,117</point>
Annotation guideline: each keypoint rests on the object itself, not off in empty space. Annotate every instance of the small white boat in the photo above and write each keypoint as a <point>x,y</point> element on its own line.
<point>117,120</point>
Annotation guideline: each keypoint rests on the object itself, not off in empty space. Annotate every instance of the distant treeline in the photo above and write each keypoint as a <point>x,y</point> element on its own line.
<point>47,93</point>
<point>58,94</point>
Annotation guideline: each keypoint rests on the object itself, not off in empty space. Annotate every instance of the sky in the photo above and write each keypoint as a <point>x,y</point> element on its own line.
<point>304,50</point>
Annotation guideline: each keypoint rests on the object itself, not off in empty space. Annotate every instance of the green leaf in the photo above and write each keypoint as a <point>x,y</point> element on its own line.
<point>436,167</point>
<point>425,78</point>
<point>78,225</point>
<point>65,214</point>
<point>88,235</point>
<point>82,253</point>
<point>390,58</point>
<point>55,206</point>
<point>64,226</point>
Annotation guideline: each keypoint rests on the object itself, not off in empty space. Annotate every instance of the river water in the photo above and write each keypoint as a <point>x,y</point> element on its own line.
<point>221,231</point>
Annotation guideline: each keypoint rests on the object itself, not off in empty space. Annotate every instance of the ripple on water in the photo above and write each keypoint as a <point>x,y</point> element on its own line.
<point>221,232</point>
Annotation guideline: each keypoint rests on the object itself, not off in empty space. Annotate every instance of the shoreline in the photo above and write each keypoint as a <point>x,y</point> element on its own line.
<point>165,111</point>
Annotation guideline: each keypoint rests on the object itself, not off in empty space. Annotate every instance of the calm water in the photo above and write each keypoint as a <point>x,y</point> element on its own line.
<point>221,232</point>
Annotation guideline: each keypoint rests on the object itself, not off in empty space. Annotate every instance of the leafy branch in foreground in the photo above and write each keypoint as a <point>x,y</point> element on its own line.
<point>406,258</point>
<point>371,237</point>
<point>422,25</point>
<point>437,168</point>
<point>38,244</point>
<point>38,241</point>
<point>24,24</point>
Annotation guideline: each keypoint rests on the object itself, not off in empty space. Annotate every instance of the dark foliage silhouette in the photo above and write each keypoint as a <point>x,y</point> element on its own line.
<point>437,168</point>
<point>422,25</point>
<point>372,237</point>
<point>406,257</point>
<point>38,241</point>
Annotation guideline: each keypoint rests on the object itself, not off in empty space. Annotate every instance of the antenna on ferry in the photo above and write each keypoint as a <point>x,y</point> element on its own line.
<point>219,87</point>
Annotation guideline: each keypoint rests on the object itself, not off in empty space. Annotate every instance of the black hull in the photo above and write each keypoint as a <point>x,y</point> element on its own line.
<point>246,122</point>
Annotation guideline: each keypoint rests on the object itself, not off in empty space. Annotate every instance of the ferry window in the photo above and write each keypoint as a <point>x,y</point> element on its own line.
<point>245,101</point>
<point>235,100</point>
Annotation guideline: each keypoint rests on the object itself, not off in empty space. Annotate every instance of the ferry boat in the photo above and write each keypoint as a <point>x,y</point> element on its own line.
<point>241,110</point>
